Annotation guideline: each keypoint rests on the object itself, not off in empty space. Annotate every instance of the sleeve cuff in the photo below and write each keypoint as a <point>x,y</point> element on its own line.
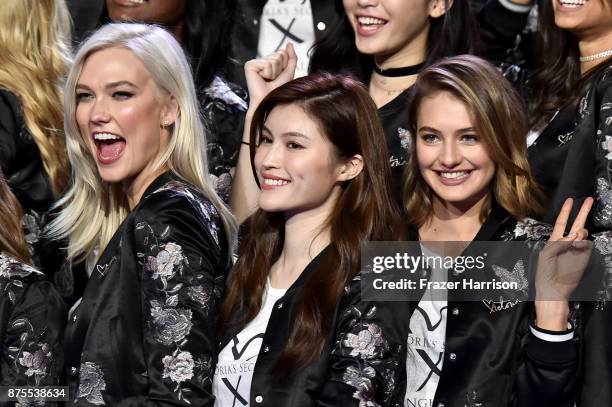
<point>553,336</point>
<point>517,8</point>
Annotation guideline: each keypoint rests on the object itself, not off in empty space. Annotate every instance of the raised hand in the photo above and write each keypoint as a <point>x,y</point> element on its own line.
<point>265,74</point>
<point>561,266</point>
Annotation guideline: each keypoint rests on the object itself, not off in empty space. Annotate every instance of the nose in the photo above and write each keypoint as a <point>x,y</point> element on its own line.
<point>270,155</point>
<point>366,3</point>
<point>450,156</point>
<point>99,112</point>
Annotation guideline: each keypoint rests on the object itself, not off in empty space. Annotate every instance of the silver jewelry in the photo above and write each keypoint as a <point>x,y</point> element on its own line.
<point>603,54</point>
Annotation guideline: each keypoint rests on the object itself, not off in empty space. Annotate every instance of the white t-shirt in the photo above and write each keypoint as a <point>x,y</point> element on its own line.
<point>285,21</point>
<point>234,371</point>
<point>426,343</point>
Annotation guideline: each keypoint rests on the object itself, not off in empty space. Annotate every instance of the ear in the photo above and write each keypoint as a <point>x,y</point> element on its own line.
<point>437,8</point>
<point>351,168</point>
<point>170,111</point>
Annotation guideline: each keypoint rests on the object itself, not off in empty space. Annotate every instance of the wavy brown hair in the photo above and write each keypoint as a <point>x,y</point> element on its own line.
<point>500,121</point>
<point>364,211</point>
<point>34,58</point>
<point>557,79</point>
<point>12,241</point>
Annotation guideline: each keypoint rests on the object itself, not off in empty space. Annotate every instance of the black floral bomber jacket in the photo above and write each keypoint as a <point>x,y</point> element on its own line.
<point>144,332</point>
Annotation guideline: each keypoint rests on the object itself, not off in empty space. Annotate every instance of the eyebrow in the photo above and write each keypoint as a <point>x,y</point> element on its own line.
<point>431,129</point>
<point>287,134</point>
<point>109,85</point>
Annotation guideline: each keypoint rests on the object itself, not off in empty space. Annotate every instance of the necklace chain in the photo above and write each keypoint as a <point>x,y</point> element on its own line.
<point>603,54</point>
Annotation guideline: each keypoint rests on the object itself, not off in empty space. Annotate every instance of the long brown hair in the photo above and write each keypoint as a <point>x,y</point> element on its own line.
<point>557,79</point>
<point>12,241</point>
<point>364,211</point>
<point>500,121</point>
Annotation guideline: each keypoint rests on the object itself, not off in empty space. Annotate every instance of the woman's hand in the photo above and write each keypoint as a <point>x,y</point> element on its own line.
<point>266,74</point>
<point>561,266</point>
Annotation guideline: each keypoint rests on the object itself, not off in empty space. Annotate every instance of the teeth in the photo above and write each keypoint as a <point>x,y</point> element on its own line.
<point>106,136</point>
<point>573,3</point>
<point>453,175</point>
<point>275,182</point>
<point>370,21</point>
<point>136,1</point>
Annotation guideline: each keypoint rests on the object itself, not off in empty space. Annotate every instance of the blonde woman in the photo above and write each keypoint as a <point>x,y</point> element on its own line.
<point>34,57</point>
<point>144,331</point>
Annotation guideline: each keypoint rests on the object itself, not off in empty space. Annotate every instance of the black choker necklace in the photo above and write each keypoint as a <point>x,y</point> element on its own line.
<point>396,72</point>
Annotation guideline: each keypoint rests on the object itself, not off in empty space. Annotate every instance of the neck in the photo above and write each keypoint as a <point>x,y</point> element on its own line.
<point>306,235</point>
<point>450,222</point>
<point>135,187</point>
<point>384,89</point>
<point>591,45</point>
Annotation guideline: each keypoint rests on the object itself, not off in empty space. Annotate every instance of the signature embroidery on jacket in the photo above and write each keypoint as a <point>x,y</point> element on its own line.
<point>501,305</point>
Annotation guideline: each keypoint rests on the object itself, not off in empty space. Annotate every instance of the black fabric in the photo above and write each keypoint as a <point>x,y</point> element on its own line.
<point>572,157</point>
<point>24,171</point>
<point>32,320</point>
<point>145,330</point>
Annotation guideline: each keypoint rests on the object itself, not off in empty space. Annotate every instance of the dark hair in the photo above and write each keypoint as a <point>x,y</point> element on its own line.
<point>364,211</point>
<point>451,34</point>
<point>557,79</point>
<point>501,124</point>
<point>206,38</point>
<point>12,241</point>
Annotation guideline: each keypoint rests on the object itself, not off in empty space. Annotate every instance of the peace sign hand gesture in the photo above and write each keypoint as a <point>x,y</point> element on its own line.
<point>560,267</point>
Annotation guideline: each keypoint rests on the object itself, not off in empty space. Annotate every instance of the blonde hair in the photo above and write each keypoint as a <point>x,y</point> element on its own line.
<point>500,122</point>
<point>34,59</point>
<point>93,209</point>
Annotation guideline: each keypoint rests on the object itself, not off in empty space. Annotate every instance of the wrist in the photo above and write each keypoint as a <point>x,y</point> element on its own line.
<point>552,315</point>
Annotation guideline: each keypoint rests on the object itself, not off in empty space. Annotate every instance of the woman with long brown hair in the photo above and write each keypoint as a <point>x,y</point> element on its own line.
<point>34,58</point>
<point>325,190</point>
<point>32,314</point>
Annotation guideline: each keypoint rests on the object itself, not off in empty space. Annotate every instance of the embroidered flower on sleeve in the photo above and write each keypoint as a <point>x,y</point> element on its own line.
<point>170,325</point>
<point>366,342</point>
<point>163,265</point>
<point>606,145</point>
<point>201,294</point>
<point>362,381</point>
<point>91,383</point>
<point>178,368</point>
<point>36,362</point>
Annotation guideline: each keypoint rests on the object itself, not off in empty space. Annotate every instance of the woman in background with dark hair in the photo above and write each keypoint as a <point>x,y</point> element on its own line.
<point>324,192</point>
<point>204,29</point>
<point>32,314</point>
<point>570,152</point>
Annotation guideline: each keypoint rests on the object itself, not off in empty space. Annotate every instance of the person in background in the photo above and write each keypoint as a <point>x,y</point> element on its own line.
<point>34,59</point>
<point>143,208</point>
<point>324,192</point>
<point>570,152</point>
<point>32,313</point>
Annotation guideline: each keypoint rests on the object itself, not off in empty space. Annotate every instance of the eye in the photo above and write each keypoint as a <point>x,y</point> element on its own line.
<point>469,138</point>
<point>430,138</point>
<point>293,145</point>
<point>83,96</point>
<point>122,95</point>
<point>265,139</point>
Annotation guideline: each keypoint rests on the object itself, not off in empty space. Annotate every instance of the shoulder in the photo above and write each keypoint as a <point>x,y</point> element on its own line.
<point>12,269</point>
<point>179,204</point>
<point>227,93</point>
<point>527,229</point>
